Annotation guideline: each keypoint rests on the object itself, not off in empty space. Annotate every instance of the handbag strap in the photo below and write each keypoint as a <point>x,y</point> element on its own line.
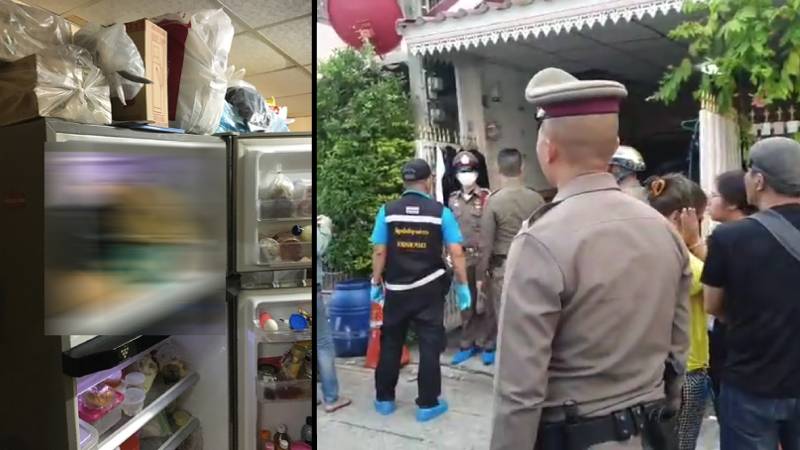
<point>784,232</point>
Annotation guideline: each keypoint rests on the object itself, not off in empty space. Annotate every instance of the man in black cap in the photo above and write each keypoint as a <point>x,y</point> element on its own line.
<point>409,237</point>
<point>751,282</point>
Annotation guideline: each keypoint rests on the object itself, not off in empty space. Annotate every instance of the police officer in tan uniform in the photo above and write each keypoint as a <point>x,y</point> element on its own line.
<point>624,165</point>
<point>502,218</point>
<point>595,300</point>
<point>468,204</point>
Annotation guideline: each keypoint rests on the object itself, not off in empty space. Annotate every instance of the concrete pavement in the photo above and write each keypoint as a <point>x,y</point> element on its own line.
<point>468,390</point>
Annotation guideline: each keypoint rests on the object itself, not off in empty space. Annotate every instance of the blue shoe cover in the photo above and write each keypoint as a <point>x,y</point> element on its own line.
<point>488,357</point>
<point>463,355</point>
<point>385,408</point>
<point>426,414</point>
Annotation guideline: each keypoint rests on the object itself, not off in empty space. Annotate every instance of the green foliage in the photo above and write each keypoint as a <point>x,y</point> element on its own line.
<point>364,135</point>
<point>755,45</point>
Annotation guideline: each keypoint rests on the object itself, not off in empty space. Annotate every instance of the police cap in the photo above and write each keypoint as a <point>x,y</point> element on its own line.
<point>465,161</point>
<point>560,94</point>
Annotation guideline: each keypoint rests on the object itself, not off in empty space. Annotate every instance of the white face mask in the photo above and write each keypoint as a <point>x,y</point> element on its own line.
<point>467,179</point>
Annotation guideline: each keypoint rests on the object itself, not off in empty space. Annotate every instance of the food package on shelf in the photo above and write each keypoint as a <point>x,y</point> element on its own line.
<point>198,58</point>
<point>58,82</point>
<point>27,30</point>
<point>117,56</point>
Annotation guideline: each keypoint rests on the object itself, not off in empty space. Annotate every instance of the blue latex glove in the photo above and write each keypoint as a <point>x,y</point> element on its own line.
<point>464,296</point>
<point>376,293</point>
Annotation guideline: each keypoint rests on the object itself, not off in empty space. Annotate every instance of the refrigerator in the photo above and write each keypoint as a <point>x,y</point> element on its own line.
<point>270,254</point>
<point>115,246</point>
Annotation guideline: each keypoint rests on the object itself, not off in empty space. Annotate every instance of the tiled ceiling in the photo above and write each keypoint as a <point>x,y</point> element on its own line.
<point>272,41</point>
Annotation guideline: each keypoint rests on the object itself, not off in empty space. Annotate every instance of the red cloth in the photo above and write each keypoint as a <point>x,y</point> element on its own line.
<point>176,47</point>
<point>582,107</point>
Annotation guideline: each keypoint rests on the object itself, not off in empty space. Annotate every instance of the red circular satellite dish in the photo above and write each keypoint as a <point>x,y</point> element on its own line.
<point>374,19</point>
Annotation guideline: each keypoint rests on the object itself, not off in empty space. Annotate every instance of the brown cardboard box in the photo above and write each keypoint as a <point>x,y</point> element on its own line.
<point>60,82</point>
<point>152,102</point>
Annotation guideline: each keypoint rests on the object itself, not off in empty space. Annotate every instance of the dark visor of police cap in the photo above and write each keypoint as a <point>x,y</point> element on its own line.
<point>416,170</point>
<point>778,158</point>
<point>558,94</point>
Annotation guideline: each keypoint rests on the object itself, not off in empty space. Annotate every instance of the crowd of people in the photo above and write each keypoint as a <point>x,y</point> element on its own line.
<point>614,321</point>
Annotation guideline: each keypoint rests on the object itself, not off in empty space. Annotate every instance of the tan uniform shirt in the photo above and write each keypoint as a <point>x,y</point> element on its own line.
<point>594,302</point>
<point>468,211</point>
<point>505,211</point>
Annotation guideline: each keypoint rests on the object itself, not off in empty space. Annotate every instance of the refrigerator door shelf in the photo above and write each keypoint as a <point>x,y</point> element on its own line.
<point>158,399</point>
<point>140,307</point>
<point>284,391</point>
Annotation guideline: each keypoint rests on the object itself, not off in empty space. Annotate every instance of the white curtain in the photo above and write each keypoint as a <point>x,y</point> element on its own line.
<point>719,147</point>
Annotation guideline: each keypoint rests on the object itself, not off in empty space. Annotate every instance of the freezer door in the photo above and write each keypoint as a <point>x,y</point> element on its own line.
<point>273,202</point>
<point>135,233</point>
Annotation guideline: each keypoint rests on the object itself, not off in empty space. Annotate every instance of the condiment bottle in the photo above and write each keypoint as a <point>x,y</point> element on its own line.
<point>307,432</point>
<point>282,441</point>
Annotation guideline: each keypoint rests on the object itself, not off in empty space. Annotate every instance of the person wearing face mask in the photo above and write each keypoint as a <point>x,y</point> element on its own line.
<point>624,165</point>
<point>468,204</point>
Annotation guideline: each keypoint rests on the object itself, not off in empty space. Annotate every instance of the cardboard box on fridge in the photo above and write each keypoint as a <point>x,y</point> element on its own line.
<point>152,103</point>
<point>60,82</point>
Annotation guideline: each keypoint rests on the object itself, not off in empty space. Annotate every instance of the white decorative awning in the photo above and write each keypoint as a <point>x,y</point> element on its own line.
<point>506,21</point>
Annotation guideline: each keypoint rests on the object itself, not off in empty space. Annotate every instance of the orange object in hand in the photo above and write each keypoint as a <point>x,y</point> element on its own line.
<point>374,346</point>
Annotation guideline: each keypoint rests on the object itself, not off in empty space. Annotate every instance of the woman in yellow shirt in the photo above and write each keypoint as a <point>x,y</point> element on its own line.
<point>682,201</point>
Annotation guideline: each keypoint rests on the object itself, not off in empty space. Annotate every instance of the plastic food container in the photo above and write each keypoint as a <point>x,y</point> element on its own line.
<point>88,436</point>
<point>102,420</point>
<point>134,401</point>
<point>135,380</point>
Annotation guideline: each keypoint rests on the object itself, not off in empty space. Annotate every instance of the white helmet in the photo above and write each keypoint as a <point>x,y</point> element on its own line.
<point>628,158</point>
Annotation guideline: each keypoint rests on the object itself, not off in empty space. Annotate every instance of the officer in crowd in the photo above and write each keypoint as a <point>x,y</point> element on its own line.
<point>468,204</point>
<point>626,163</point>
<point>595,299</point>
<point>408,267</point>
<point>502,218</point>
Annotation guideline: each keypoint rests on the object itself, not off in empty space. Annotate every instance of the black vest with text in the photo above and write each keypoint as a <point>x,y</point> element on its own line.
<point>414,250</point>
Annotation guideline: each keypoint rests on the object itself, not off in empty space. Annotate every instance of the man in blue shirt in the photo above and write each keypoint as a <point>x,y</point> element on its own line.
<point>409,239</point>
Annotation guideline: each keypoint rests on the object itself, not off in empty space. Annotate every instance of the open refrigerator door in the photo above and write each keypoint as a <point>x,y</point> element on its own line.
<point>165,395</point>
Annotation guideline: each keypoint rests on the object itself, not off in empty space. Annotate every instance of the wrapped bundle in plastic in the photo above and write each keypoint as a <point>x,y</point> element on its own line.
<point>198,57</point>
<point>26,30</point>
<point>59,82</point>
<point>116,55</point>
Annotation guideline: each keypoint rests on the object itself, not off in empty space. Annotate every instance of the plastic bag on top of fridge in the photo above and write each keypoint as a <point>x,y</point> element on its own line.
<point>248,102</point>
<point>202,41</point>
<point>116,55</point>
<point>26,30</point>
<point>58,82</point>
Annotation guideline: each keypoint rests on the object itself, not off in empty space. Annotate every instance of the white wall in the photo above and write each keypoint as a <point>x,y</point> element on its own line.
<point>516,119</point>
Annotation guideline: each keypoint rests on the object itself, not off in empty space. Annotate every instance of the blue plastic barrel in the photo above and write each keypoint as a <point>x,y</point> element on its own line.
<point>348,313</point>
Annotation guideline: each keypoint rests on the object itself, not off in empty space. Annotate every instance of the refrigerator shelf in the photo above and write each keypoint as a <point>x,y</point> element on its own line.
<point>158,398</point>
<point>282,336</point>
<point>285,220</point>
<point>292,390</point>
<point>174,440</point>
<point>294,255</point>
<point>284,210</point>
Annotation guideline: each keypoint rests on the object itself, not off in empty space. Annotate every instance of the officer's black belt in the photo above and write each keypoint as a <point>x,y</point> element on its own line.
<point>583,433</point>
<point>497,260</point>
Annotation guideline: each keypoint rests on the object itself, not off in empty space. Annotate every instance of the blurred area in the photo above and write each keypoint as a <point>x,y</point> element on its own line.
<point>128,240</point>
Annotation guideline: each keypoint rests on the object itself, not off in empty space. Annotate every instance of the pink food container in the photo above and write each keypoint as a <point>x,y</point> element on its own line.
<point>102,419</point>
